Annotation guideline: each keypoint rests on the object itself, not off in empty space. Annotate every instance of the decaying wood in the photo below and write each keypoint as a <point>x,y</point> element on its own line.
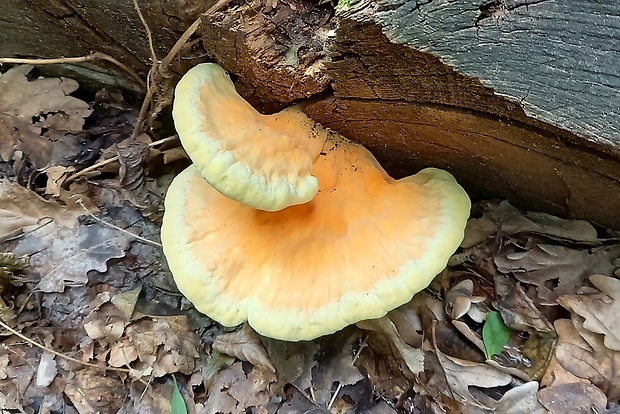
<point>516,98</point>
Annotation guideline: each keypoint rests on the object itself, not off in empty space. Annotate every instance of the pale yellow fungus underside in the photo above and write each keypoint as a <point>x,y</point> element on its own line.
<point>239,151</point>
<point>364,245</point>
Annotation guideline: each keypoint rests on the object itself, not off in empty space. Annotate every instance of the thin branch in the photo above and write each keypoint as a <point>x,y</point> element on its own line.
<point>58,354</point>
<point>189,32</point>
<point>80,59</point>
<point>115,158</point>
<point>363,345</point>
<point>149,34</point>
<point>135,236</point>
<point>180,42</point>
<point>150,81</point>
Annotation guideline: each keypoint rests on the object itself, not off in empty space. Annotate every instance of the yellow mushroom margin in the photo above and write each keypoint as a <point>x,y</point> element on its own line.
<point>210,266</point>
<point>240,151</point>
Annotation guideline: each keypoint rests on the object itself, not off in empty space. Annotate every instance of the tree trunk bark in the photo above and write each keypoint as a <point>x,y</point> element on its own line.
<point>517,99</point>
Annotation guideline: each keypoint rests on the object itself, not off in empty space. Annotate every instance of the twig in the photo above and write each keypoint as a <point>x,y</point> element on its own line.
<point>333,399</point>
<point>115,158</point>
<point>217,7</point>
<point>150,77</point>
<point>355,357</point>
<point>149,34</point>
<point>135,236</point>
<point>58,354</point>
<point>181,41</point>
<point>161,69</point>
<point>189,32</point>
<point>80,59</point>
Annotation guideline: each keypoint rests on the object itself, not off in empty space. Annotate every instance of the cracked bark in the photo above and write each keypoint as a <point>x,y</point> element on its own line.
<point>446,84</point>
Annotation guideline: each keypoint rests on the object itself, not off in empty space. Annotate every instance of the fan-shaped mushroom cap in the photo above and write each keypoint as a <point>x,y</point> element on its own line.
<point>238,150</point>
<point>363,246</point>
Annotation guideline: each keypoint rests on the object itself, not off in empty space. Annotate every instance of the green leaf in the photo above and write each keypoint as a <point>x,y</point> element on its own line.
<point>495,334</point>
<point>177,404</point>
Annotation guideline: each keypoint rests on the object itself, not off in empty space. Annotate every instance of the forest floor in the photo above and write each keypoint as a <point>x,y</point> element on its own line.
<point>523,320</point>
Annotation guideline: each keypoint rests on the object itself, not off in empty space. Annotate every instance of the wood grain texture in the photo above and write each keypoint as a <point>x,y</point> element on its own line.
<point>559,59</point>
<point>414,111</point>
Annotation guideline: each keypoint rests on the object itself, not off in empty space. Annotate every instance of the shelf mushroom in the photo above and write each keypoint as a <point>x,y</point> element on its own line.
<point>362,245</point>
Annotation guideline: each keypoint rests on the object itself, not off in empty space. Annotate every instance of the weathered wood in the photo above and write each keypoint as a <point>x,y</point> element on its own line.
<point>435,115</point>
<point>559,59</point>
<point>277,48</point>
<point>518,99</point>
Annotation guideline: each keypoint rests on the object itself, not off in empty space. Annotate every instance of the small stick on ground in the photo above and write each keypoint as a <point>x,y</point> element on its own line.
<point>79,59</point>
<point>135,236</point>
<point>58,354</point>
<point>363,345</point>
<point>160,70</point>
<point>148,98</point>
<point>109,160</point>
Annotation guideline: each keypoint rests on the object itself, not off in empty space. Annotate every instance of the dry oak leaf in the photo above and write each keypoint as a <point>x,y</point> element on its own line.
<point>60,249</point>
<point>235,392</point>
<point>583,354</point>
<point>600,311</point>
<point>574,398</point>
<point>22,210</point>
<point>461,375</point>
<point>413,356</point>
<point>92,392</point>
<point>508,220</point>
<point>37,116</point>
<point>245,345</point>
<point>570,268</point>
<point>336,365</point>
<point>293,361</point>
<point>520,400</point>
<point>166,343</point>
<point>67,255</point>
<point>518,310</point>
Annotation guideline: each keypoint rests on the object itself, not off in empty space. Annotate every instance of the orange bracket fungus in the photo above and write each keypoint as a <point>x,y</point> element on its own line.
<point>289,226</point>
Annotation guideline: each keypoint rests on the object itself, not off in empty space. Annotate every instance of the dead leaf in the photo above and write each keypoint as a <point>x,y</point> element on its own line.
<point>132,156</point>
<point>212,364</point>
<point>165,343</point>
<point>38,116</point>
<point>244,344</point>
<point>413,357</point>
<point>574,398</point>
<point>584,355</point>
<point>518,311</point>
<point>126,301</point>
<point>600,311</point>
<point>91,392</point>
<point>9,404</point>
<point>293,361</point>
<point>460,301</point>
<point>122,354</point>
<point>47,370</point>
<point>22,210</point>
<point>546,265</point>
<point>461,375</point>
<point>508,220</point>
<point>67,255</point>
<point>234,392</point>
<point>521,400</point>
<point>336,367</point>
<point>153,398</point>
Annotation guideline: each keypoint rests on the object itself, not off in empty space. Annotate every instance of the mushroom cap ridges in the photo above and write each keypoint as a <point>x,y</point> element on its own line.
<point>362,247</point>
<point>238,150</point>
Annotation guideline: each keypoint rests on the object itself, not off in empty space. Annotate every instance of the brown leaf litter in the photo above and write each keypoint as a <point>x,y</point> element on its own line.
<point>97,293</point>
